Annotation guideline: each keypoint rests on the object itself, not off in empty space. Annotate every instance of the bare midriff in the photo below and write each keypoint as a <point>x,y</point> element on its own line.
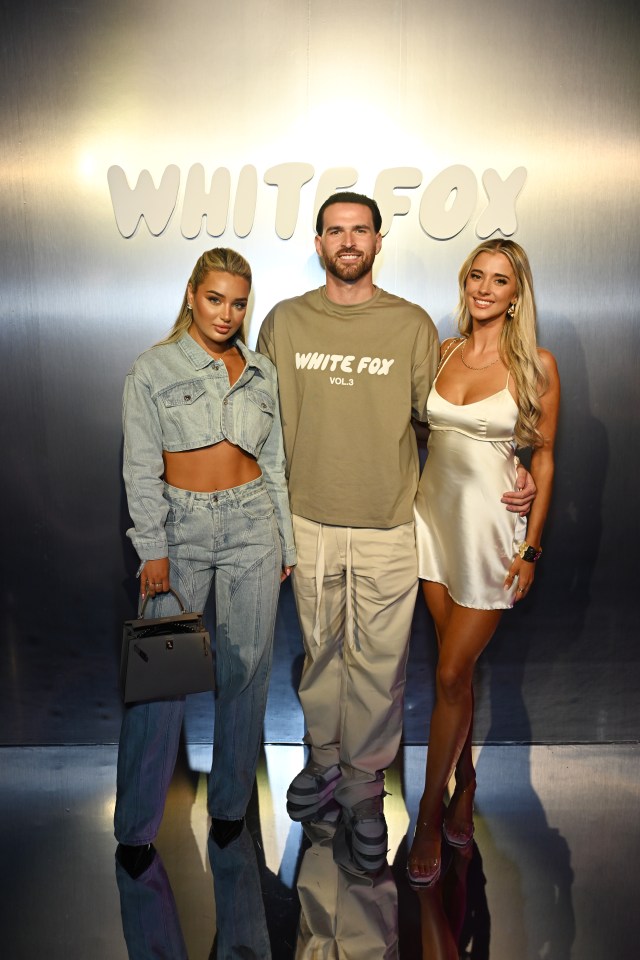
<point>207,469</point>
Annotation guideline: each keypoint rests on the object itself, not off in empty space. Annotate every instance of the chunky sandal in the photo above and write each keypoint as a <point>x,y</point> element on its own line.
<point>459,833</point>
<point>423,880</point>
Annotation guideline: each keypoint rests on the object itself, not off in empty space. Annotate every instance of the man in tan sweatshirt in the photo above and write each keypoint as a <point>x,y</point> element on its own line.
<point>354,364</point>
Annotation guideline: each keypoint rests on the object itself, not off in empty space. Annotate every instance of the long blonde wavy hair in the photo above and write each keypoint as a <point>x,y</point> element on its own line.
<point>518,345</point>
<point>221,259</point>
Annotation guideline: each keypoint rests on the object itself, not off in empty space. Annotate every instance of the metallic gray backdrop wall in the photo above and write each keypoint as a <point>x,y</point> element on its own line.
<point>506,84</point>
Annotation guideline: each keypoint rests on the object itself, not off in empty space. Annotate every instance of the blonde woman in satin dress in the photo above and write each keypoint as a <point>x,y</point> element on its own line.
<point>495,390</point>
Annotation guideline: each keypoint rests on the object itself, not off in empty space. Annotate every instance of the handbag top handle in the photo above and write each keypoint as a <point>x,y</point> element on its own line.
<point>183,609</point>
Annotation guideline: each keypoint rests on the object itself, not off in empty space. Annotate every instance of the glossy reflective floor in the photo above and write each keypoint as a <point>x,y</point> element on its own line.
<point>553,873</point>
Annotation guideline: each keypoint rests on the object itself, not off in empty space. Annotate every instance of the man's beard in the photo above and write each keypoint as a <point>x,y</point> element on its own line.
<point>349,272</point>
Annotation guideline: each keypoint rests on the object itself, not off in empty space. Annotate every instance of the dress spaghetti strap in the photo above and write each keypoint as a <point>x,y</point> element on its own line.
<point>451,349</point>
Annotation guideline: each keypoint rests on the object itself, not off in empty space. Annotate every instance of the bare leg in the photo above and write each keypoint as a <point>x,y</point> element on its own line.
<point>463,634</point>
<point>438,941</point>
<point>465,770</point>
<point>459,815</point>
<point>459,818</point>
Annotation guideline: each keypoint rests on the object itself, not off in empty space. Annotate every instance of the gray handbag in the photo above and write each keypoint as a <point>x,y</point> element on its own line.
<point>165,657</point>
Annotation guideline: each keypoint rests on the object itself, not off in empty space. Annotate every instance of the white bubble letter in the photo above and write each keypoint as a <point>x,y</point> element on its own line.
<point>155,204</point>
<point>212,204</point>
<point>390,204</point>
<point>443,220</point>
<point>244,210</point>
<point>501,212</point>
<point>289,178</point>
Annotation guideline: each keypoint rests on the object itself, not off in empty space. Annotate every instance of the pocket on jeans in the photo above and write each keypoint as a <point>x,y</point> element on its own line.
<point>257,506</point>
<point>175,514</point>
<point>173,522</point>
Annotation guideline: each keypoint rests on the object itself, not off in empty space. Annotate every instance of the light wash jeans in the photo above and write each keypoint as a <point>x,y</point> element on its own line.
<point>229,538</point>
<point>150,919</point>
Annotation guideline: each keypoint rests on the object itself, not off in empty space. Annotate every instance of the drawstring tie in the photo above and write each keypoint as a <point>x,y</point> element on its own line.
<point>350,621</point>
<point>349,626</point>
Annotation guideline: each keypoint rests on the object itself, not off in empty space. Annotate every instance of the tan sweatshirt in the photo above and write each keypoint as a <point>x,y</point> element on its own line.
<point>350,378</point>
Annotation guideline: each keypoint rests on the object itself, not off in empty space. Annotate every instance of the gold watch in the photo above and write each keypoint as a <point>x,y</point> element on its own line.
<point>529,553</point>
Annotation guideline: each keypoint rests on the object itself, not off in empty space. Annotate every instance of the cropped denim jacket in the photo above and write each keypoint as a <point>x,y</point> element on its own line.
<point>177,397</point>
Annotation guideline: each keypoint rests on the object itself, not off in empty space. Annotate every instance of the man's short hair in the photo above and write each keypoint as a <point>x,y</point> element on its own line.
<point>348,197</point>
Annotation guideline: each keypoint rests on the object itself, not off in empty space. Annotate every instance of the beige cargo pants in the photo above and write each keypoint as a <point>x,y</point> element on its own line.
<point>355,591</point>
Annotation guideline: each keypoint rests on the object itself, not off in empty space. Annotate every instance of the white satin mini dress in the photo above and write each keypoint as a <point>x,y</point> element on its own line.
<point>466,538</point>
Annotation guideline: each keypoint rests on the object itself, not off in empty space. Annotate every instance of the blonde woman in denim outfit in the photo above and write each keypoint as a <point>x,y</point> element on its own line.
<point>206,490</point>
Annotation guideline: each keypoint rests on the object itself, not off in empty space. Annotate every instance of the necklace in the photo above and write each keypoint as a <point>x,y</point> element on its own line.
<point>468,365</point>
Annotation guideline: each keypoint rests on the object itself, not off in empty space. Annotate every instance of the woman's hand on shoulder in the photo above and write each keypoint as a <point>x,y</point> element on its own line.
<point>154,577</point>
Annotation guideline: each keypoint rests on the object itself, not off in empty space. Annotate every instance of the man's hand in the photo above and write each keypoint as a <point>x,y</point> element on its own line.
<point>520,499</point>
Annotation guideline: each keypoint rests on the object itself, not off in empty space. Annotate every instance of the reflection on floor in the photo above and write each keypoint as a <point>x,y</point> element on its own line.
<point>552,874</point>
